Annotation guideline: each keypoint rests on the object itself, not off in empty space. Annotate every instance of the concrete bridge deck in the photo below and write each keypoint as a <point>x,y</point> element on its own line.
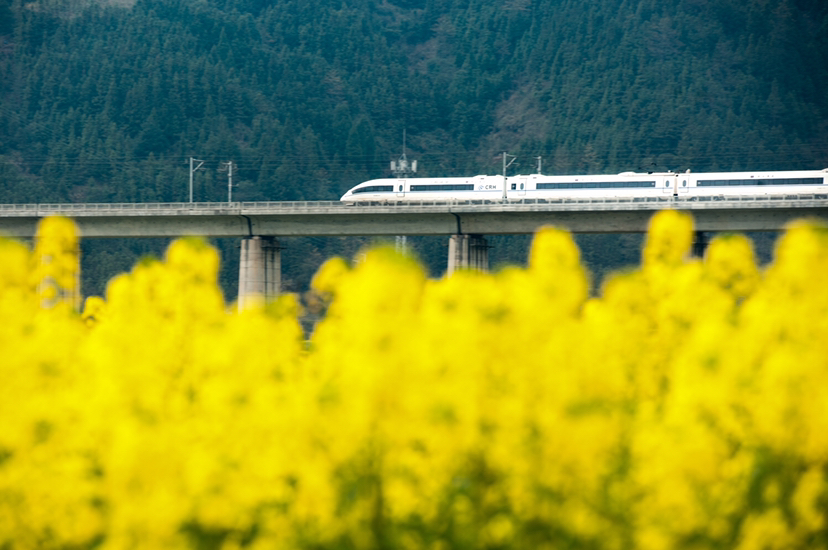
<point>261,224</point>
<point>333,218</point>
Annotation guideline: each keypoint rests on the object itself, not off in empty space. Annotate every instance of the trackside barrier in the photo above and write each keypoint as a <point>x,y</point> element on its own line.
<point>237,208</point>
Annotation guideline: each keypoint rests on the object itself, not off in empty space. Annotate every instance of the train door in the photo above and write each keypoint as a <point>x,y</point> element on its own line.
<point>522,186</point>
<point>675,184</point>
<point>400,188</point>
<point>683,183</point>
<point>667,184</point>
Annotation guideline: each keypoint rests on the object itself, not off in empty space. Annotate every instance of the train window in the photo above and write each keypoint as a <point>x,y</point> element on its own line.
<point>667,183</point>
<point>596,185</point>
<point>762,181</point>
<point>443,187</point>
<point>521,186</point>
<point>684,183</point>
<point>400,188</point>
<point>374,189</point>
<point>514,186</point>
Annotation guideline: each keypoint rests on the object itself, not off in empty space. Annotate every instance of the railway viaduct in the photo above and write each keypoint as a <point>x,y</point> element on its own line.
<point>261,224</point>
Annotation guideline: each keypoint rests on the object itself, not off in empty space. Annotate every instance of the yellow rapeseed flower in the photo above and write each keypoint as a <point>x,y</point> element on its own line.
<point>682,407</point>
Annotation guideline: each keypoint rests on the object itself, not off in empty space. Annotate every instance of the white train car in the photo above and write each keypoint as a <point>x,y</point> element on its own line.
<point>626,184</point>
<point>427,189</point>
<point>797,182</point>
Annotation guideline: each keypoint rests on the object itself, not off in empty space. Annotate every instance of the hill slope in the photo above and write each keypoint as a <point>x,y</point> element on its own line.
<point>107,101</point>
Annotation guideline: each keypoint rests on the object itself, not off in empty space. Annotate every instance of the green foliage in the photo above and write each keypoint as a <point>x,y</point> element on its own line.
<point>106,100</point>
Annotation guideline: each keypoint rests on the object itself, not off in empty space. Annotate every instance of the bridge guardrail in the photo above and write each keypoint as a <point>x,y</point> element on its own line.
<point>239,208</point>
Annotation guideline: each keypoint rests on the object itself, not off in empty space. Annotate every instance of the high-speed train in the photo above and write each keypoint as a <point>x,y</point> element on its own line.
<point>626,184</point>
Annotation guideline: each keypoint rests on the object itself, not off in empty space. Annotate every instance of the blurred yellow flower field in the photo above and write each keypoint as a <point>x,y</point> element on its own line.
<point>686,406</point>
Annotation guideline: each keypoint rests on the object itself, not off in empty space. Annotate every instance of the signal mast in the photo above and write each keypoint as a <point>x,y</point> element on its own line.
<point>401,169</point>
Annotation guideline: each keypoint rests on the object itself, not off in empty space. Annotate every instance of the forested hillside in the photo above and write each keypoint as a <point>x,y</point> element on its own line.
<point>106,101</point>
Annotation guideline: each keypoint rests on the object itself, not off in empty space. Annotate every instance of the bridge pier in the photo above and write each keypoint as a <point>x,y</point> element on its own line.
<point>468,252</point>
<point>260,271</point>
<point>700,242</point>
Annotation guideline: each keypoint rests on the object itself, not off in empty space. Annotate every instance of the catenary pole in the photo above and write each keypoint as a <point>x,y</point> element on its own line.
<point>505,154</point>
<point>200,163</point>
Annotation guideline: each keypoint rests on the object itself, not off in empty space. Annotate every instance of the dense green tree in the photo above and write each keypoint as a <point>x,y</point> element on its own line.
<point>107,101</point>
